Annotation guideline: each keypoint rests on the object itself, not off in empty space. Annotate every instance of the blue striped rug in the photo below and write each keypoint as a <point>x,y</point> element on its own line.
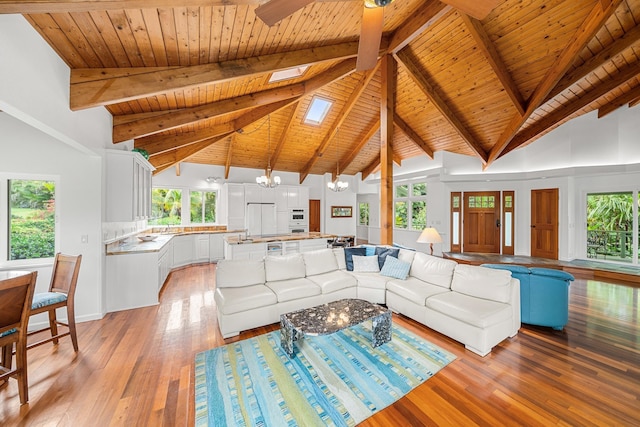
<point>336,379</point>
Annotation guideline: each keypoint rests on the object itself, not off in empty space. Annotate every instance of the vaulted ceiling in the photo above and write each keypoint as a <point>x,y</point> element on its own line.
<point>188,81</point>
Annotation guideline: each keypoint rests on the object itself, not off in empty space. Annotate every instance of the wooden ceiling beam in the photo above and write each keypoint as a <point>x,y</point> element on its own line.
<point>359,88</point>
<point>625,41</point>
<point>371,167</point>
<point>227,163</point>
<point>419,78</point>
<point>634,102</point>
<point>351,156</point>
<point>488,49</point>
<point>165,120</point>
<point>596,18</point>
<point>159,143</point>
<point>92,87</point>
<point>283,136</point>
<point>629,72</point>
<point>412,135</point>
<point>623,99</point>
<point>180,154</point>
<point>428,14</point>
<point>479,9</point>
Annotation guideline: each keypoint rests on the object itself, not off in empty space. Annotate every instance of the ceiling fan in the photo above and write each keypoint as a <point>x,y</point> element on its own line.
<point>372,19</point>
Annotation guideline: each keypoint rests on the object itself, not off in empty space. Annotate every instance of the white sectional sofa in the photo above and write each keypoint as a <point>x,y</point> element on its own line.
<point>476,306</point>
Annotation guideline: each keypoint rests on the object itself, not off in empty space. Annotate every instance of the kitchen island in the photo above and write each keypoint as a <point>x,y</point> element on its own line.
<point>255,248</point>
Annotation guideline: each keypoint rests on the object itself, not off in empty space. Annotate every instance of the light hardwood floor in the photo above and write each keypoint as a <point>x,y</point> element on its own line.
<point>135,367</point>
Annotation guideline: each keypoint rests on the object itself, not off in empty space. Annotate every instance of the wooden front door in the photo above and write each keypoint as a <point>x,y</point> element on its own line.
<point>481,225</point>
<point>544,223</point>
<point>314,215</point>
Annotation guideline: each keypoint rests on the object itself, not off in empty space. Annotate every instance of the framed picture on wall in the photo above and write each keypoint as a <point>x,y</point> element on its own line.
<point>341,211</point>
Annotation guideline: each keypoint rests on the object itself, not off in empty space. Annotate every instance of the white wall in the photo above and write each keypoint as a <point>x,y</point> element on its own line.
<point>78,204</point>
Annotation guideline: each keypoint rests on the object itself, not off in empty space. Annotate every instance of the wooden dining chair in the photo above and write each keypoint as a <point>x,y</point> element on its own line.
<point>61,293</point>
<point>16,295</point>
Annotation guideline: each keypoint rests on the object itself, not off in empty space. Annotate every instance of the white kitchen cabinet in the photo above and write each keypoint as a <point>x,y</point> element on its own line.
<point>216,246</point>
<point>132,280</point>
<point>252,193</point>
<point>268,195</point>
<point>282,222</point>
<point>313,244</point>
<point>282,198</point>
<point>165,263</point>
<point>235,206</point>
<point>128,186</point>
<point>183,250</point>
<point>247,251</point>
<point>303,197</point>
<point>201,247</point>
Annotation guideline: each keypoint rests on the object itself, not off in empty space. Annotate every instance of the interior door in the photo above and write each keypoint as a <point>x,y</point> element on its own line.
<point>314,215</point>
<point>544,223</point>
<point>481,224</point>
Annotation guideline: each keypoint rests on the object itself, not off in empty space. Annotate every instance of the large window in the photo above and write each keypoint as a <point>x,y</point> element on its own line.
<point>410,206</point>
<point>166,206</point>
<point>203,207</point>
<point>610,226</point>
<point>31,214</point>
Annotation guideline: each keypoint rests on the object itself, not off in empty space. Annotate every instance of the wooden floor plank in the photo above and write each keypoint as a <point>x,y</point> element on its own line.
<point>136,367</point>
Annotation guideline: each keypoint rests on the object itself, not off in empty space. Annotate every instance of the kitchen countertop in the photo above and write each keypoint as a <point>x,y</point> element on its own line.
<point>234,240</point>
<point>134,245</point>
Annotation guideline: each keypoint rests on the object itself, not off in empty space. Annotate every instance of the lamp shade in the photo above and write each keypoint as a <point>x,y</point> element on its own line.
<point>429,235</point>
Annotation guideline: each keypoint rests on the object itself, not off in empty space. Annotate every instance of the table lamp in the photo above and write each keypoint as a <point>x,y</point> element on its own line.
<point>430,235</point>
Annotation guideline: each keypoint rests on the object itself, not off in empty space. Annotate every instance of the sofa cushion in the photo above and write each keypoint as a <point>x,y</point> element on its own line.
<point>482,282</point>
<point>406,255</point>
<point>339,253</point>
<point>371,249</point>
<point>383,253</point>
<point>320,261</point>
<point>395,268</point>
<point>365,263</point>
<point>437,271</point>
<point>292,289</point>
<point>239,299</point>
<point>415,290</point>
<point>370,280</point>
<point>334,281</point>
<point>349,253</point>
<point>239,273</point>
<point>478,312</point>
<point>283,267</point>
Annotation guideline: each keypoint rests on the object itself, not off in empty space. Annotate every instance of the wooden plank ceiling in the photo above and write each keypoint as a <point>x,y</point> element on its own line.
<point>190,83</point>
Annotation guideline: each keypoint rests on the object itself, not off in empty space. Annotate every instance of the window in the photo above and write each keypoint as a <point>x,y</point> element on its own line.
<point>410,206</point>
<point>363,210</point>
<point>610,226</point>
<point>289,73</point>
<point>166,206</point>
<point>203,207</point>
<point>31,217</point>
<point>317,111</point>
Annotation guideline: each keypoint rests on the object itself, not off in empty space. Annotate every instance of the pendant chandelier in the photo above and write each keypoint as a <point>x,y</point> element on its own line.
<point>268,181</point>
<point>337,185</point>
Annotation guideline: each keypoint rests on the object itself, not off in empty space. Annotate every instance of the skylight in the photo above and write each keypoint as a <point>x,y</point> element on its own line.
<point>289,73</point>
<point>317,111</point>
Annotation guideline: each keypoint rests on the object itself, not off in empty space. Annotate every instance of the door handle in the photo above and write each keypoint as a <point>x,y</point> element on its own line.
<point>498,223</point>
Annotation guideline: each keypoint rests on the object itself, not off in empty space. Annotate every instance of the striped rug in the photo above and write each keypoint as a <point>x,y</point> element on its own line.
<point>334,380</point>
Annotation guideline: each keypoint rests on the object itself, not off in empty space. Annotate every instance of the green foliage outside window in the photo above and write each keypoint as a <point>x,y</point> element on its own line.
<point>166,206</point>
<point>363,209</point>
<point>418,215</point>
<point>419,189</point>
<point>203,207</point>
<point>400,215</point>
<point>32,219</point>
<point>402,190</point>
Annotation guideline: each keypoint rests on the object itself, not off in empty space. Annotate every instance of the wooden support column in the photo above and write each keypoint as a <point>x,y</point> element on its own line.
<point>387,113</point>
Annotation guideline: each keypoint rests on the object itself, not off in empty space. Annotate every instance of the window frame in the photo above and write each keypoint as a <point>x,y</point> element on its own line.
<point>409,201</point>
<point>4,213</point>
<point>202,191</point>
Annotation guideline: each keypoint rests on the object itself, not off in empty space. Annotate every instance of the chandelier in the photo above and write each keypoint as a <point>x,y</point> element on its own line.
<point>337,185</point>
<point>266,180</point>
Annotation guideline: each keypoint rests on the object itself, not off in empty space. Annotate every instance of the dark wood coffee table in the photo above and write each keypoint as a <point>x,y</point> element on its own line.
<point>332,317</point>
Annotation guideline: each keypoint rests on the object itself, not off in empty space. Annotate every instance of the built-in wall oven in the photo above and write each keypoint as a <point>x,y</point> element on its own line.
<point>298,221</point>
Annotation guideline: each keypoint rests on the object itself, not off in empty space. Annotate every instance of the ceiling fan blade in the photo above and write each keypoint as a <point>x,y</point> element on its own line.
<point>370,37</point>
<point>479,9</point>
<point>276,10</point>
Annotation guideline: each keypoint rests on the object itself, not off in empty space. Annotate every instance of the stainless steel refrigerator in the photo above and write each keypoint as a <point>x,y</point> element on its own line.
<point>261,219</point>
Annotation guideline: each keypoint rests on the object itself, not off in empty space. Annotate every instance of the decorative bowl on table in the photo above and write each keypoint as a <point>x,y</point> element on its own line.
<point>147,237</point>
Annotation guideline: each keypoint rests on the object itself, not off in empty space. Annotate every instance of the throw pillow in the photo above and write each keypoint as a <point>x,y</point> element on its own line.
<point>349,253</point>
<point>365,264</point>
<point>383,253</point>
<point>395,268</point>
